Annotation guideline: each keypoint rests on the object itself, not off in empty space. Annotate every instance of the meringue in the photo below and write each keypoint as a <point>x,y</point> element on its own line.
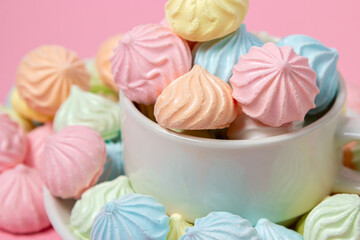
<point>45,75</point>
<point>196,101</point>
<point>147,59</point>
<point>323,61</point>
<point>36,142</point>
<point>21,202</point>
<point>219,56</point>
<point>177,227</point>
<point>26,124</point>
<point>271,231</point>
<point>337,217</point>
<point>13,145</point>
<point>88,109</point>
<point>72,161</point>
<point>265,37</point>
<point>274,85</point>
<point>133,216</point>
<point>114,165</point>
<point>91,202</point>
<point>205,20</point>
<point>221,225</point>
<point>103,62</point>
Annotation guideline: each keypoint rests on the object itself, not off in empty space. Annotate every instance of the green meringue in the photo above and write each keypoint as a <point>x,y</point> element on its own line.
<point>91,202</point>
<point>177,227</point>
<point>337,217</point>
<point>91,110</point>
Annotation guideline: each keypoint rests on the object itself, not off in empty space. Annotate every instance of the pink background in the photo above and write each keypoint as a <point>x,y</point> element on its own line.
<point>82,25</point>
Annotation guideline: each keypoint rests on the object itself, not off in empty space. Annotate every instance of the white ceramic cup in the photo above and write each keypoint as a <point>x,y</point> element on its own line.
<point>279,178</point>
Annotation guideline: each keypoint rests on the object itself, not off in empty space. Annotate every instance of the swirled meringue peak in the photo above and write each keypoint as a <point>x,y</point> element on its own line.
<point>26,124</point>
<point>133,216</point>
<point>274,85</point>
<point>221,225</point>
<point>21,204</point>
<point>337,217</point>
<point>91,202</point>
<point>36,141</point>
<point>271,231</point>
<point>45,75</point>
<point>177,227</point>
<point>13,144</point>
<point>323,61</point>
<point>72,161</point>
<point>114,165</point>
<point>202,21</point>
<point>147,59</point>
<point>103,62</point>
<point>91,110</point>
<point>196,101</point>
<point>220,55</point>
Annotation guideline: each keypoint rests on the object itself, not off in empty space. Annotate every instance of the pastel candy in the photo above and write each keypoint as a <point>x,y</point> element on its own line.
<point>271,231</point>
<point>196,101</point>
<point>23,122</point>
<point>221,225</point>
<point>323,61</point>
<point>91,110</point>
<point>133,216</point>
<point>147,59</point>
<point>114,165</point>
<point>76,156</point>
<point>177,227</point>
<point>103,62</point>
<point>201,21</point>
<point>274,85</point>
<point>45,75</point>
<point>91,202</point>
<point>337,217</point>
<point>13,144</point>
<point>21,203</point>
<point>220,55</point>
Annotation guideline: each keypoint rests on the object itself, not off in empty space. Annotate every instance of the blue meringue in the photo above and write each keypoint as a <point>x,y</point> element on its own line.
<point>221,225</point>
<point>323,61</point>
<point>271,231</point>
<point>114,165</point>
<point>220,55</point>
<point>133,216</point>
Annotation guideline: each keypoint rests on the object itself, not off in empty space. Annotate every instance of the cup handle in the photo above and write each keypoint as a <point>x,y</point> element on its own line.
<point>348,180</point>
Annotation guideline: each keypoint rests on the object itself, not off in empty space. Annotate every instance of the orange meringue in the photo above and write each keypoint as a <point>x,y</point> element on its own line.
<point>195,101</point>
<point>45,76</point>
<point>103,63</point>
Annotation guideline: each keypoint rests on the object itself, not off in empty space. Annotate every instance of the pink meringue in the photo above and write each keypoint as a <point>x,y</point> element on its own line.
<point>36,141</point>
<point>147,59</point>
<point>72,161</point>
<point>274,85</point>
<point>196,101</point>
<point>21,202</point>
<point>13,143</point>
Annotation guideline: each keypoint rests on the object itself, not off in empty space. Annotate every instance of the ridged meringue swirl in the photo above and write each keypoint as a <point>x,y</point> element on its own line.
<point>221,225</point>
<point>220,55</point>
<point>133,216</point>
<point>337,217</point>
<point>205,20</point>
<point>147,59</point>
<point>72,161</point>
<point>323,61</point>
<point>274,85</point>
<point>91,110</point>
<point>21,203</point>
<point>91,202</point>
<point>45,75</point>
<point>103,63</point>
<point>13,144</point>
<point>177,227</point>
<point>271,231</point>
<point>114,165</point>
<point>195,101</point>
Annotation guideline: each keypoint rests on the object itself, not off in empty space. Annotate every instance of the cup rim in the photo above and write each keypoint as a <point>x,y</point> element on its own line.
<point>230,143</point>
